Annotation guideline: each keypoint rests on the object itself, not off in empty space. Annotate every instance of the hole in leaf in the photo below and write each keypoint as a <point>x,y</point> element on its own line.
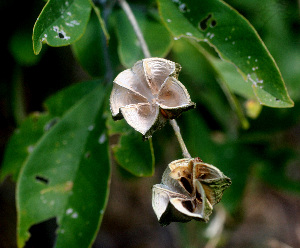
<point>186,184</point>
<point>207,21</point>
<point>60,35</point>
<point>42,234</point>
<point>42,179</point>
<point>213,23</point>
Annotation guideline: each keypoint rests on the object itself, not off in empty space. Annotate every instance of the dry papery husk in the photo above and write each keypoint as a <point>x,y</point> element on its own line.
<point>189,190</point>
<point>149,94</point>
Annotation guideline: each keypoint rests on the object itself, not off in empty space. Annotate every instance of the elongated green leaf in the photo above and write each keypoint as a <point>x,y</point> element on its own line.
<point>66,176</point>
<point>22,143</point>
<point>132,153</point>
<point>62,101</point>
<point>222,79</point>
<point>234,39</point>
<point>60,23</point>
<point>156,35</point>
<point>24,139</point>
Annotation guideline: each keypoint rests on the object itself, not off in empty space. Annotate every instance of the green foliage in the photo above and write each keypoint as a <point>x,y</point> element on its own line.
<point>67,157</point>
<point>61,23</point>
<point>129,48</point>
<point>234,39</point>
<point>138,161</point>
<point>59,158</point>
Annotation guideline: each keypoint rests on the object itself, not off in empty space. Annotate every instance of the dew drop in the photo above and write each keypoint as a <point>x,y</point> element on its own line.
<point>74,215</point>
<point>30,149</point>
<point>91,128</point>
<point>69,211</point>
<point>102,138</point>
<point>182,7</point>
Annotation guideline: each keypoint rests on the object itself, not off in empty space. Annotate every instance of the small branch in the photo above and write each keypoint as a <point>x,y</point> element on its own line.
<point>125,6</point>
<point>176,128</point>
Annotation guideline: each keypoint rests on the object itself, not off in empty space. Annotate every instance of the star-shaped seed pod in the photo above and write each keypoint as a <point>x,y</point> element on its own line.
<point>189,190</point>
<point>148,94</point>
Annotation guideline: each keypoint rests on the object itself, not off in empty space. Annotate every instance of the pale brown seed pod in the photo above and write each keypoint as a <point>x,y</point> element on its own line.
<point>189,190</point>
<point>148,94</point>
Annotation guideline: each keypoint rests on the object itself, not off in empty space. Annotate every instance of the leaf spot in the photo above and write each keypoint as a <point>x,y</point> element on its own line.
<point>87,154</point>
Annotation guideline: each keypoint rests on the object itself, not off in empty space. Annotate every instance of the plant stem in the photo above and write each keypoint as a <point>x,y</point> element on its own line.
<point>176,128</point>
<point>125,6</point>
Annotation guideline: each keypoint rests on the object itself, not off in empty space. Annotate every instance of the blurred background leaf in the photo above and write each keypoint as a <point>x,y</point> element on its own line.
<point>64,159</point>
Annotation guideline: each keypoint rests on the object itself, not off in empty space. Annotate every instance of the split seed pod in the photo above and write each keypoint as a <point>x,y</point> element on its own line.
<point>148,94</point>
<point>189,190</point>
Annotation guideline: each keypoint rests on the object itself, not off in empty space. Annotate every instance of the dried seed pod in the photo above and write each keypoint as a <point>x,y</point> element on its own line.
<point>189,190</point>
<point>148,94</point>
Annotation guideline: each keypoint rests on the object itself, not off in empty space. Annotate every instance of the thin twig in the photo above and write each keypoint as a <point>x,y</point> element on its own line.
<point>176,128</point>
<point>125,6</point>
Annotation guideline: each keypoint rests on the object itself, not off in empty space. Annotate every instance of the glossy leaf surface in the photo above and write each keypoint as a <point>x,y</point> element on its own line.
<point>129,49</point>
<point>72,154</point>
<point>61,23</point>
<point>131,152</point>
<point>25,138</point>
<point>234,39</point>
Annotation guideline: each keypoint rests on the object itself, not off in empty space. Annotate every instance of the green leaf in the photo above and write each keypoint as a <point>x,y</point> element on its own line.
<point>62,101</point>
<point>131,152</point>
<point>156,36</point>
<point>224,82</point>
<point>24,139</point>
<point>233,79</point>
<point>22,143</point>
<point>200,78</point>
<point>60,23</point>
<point>67,175</point>
<point>233,38</point>
<point>226,156</point>
<point>91,59</point>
